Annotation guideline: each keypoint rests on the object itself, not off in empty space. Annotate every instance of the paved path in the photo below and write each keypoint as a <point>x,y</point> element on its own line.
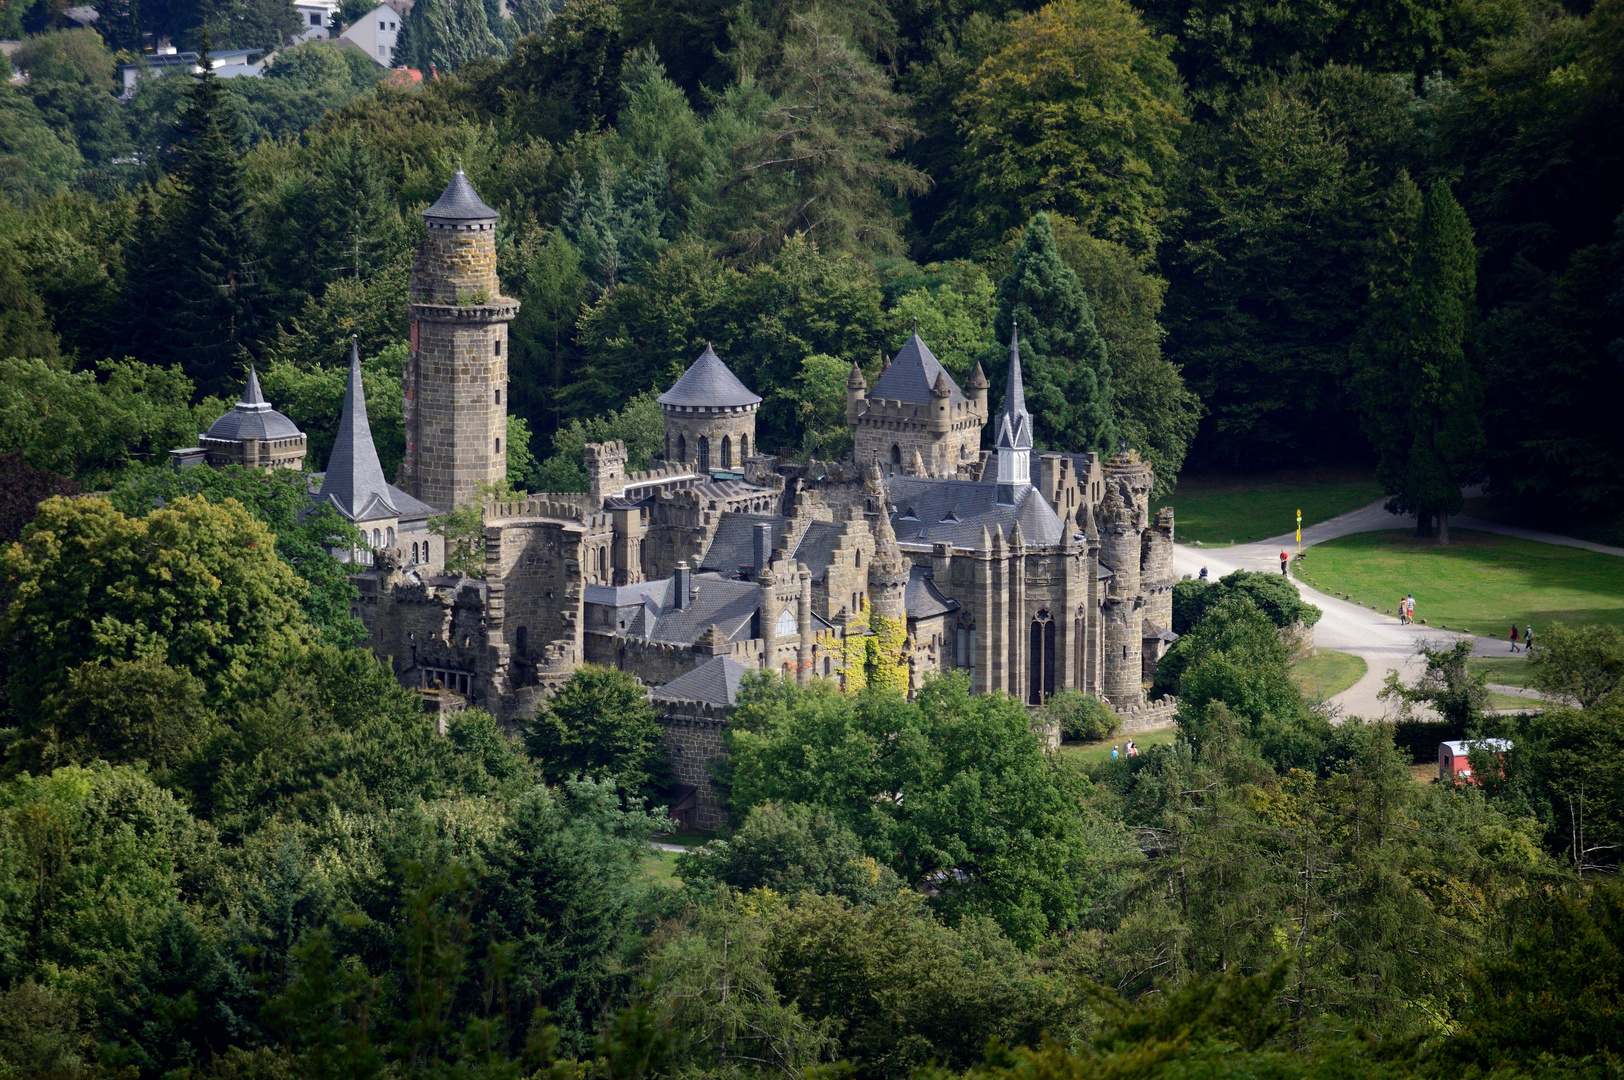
<point>1374,636</point>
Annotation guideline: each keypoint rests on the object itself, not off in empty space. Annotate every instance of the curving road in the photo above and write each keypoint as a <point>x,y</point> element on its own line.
<point>1372,635</point>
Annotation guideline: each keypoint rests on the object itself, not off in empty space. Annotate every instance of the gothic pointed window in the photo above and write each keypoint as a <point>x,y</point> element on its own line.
<point>896,454</point>
<point>682,449</point>
<point>744,448</point>
<point>1040,660</point>
<point>727,452</point>
<point>704,454</point>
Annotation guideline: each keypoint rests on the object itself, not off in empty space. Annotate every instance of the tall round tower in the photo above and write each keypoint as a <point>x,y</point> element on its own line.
<point>456,374</point>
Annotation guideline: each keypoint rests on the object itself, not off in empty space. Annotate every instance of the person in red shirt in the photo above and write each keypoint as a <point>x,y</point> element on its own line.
<point>1284,560</point>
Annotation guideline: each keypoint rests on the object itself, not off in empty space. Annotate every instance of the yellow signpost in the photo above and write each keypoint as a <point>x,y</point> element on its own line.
<point>1299,532</point>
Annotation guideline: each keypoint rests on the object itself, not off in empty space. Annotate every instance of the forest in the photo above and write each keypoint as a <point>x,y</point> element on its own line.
<point>1236,236</point>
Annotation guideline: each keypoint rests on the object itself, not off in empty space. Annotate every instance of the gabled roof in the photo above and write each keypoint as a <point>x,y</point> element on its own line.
<point>734,544</point>
<point>253,418</point>
<point>912,373</point>
<point>715,682</point>
<point>718,601</point>
<point>929,510</point>
<point>459,202</point>
<point>709,383</point>
<point>354,483</point>
<point>922,599</point>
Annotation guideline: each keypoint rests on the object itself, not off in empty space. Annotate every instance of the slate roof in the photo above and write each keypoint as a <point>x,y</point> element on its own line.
<point>922,599</point>
<point>253,418</point>
<point>719,601</point>
<point>708,382</point>
<point>929,510</point>
<point>619,596</point>
<point>354,484</point>
<point>913,371</point>
<point>715,682</point>
<point>817,547</point>
<point>734,544</point>
<point>459,202</point>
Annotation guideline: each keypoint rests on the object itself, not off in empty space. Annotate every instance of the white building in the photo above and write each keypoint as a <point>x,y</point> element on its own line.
<point>229,64</point>
<point>318,20</point>
<point>376,32</point>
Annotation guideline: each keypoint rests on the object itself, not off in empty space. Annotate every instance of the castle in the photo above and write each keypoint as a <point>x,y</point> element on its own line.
<point>1027,571</point>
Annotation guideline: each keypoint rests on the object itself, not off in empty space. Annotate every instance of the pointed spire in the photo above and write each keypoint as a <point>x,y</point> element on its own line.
<point>1014,422</point>
<point>986,540</point>
<point>252,396</point>
<point>1085,521</point>
<point>943,388</point>
<point>998,537</point>
<point>855,380</point>
<point>978,378</point>
<point>1016,537</point>
<point>354,479</point>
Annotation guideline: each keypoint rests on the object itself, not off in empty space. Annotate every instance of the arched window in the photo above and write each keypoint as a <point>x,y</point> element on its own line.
<point>704,454</point>
<point>896,454</point>
<point>603,565</point>
<point>682,449</point>
<point>744,448</point>
<point>727,452</point>
<point>498,445</point>
<point>377,538</point>
<point>668,447</point>
<point>391,536</point>
<point>1040,663</point>
<point>519,641</point>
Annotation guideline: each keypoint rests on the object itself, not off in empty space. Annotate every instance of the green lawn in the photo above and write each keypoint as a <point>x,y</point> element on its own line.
<point>1327,673</point>
<point>1481,582</point>
<point>1220,509</point>
<point>1092,753</point>
<point>1508,670</point>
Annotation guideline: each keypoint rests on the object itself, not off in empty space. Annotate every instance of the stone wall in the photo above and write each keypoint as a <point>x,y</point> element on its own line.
<point>534,568</point>
<point>1149,716</point>
<point>455,406</point>
<point>889,433</point>
<point>456,266</point>
<point>692,743</point>
<point>265,454</point>
<point>736,426</point>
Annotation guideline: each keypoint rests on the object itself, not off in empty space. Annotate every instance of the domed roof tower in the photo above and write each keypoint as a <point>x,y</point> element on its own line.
<point>710,416</point>
<point>254,434</point>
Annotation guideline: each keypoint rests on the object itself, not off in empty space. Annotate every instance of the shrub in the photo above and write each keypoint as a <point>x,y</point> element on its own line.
<point>1082,717</point>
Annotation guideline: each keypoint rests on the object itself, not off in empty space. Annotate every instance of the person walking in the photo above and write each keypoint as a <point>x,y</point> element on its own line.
<point>1528,640</point>
<point>1284,561</point>
<point>1514,638</point>
<point>1403,612</point>
<point>1114,754</point>
<point>1409,608</point>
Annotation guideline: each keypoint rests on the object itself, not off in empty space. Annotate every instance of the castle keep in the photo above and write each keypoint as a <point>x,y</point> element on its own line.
<point>1027,571</point>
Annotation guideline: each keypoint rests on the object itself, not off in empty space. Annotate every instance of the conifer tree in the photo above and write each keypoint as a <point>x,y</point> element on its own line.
<point>1063,357</point>
<point>148,270</point>
<point>355,218</point>
<point>218,286</point>
<point>1421,399</point>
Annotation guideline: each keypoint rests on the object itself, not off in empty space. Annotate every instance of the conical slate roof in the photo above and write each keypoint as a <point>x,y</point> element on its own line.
<point>708,383</point>
<point>912,373</point>
<point>1014,422</point>
<point>253,418</point>
<point>354,484</point>
<point>459,202</point>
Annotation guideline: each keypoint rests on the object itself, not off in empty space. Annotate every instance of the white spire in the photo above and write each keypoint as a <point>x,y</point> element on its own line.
<point>1014,433</point>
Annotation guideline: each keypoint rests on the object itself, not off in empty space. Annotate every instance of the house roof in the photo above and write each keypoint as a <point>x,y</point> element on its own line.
<point>715,682</point>
<point>734,544</point>
<point>1463,747</point>
<point>253,418</point>
<point>929,510</point>
<point>922,599</point>
<point>709,383</point>
<point>912,373</point>
<point>354,484</point>
<point>459,202</point>
<point>717,601</point>
<point>817,547</point>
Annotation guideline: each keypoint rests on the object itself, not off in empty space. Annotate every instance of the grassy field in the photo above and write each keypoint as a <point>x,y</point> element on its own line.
<point>1481,582</point>
<point>1327,673</point>
<point>1221,509</point>
<point>1092,753</point>
<point>1506,670</point>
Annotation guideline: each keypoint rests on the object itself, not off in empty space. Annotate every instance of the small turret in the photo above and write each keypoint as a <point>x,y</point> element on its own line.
<point>978,390</point>
<point>856,394</point>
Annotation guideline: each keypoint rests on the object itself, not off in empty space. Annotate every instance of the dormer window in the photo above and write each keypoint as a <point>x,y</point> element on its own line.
<point>950,519</point>
<point>908,515</point>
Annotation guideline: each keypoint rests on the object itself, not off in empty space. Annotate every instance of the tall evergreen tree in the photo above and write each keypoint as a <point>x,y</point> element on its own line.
<point>149,266</point>
<point>355,217</point>
<point>1067,372</point>
<point>218,285</point>
<point>445,34</point>
<point>1421,395</point>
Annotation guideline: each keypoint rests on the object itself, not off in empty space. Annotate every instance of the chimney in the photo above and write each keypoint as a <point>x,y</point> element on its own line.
<point>684,583</point>
<point>762,534</point>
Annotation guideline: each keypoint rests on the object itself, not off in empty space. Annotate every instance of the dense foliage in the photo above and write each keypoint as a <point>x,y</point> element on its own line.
<point>231,846</point>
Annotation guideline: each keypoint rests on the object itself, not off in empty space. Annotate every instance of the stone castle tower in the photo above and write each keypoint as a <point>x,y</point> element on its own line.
<point>710,416</point>
<point>916,416</point>
<point>456,375</point>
